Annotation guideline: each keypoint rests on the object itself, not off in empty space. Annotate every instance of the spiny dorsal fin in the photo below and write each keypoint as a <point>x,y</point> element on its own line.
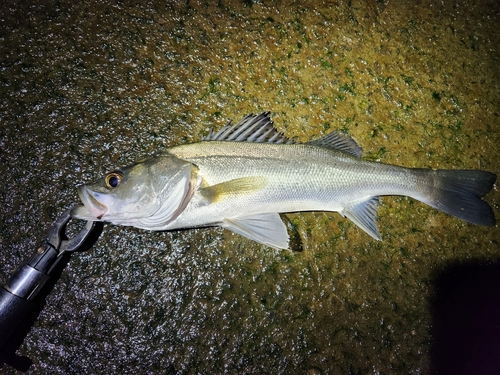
<point>338,141</point>
<point>258,129</point>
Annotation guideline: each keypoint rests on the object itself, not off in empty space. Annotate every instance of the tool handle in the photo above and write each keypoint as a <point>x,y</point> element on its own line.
<point>13,309</point>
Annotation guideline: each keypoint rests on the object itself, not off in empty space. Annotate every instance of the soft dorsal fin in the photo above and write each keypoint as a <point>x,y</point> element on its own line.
<point>338,141</point>
<point>258,129</point>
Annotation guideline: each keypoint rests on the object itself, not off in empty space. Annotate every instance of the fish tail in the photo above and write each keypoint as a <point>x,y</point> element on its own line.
<point>459,193</point>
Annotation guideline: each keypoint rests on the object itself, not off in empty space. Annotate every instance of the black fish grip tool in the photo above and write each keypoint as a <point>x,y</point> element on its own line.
<point>22,297</point>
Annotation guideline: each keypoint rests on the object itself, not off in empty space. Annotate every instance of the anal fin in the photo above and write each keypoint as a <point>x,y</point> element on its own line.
<point>364,215</point>
<point>267,229</point>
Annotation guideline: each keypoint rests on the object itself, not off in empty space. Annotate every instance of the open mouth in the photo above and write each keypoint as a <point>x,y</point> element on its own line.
<point>92,208</point>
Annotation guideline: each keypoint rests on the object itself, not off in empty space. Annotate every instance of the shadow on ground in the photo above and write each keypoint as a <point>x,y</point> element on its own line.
<point>465,318</point>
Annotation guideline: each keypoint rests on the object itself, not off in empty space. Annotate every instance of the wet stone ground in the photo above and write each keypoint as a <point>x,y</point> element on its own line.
<point>87,87</point>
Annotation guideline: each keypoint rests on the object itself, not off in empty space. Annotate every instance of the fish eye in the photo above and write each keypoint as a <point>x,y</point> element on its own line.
<point>113,179</point>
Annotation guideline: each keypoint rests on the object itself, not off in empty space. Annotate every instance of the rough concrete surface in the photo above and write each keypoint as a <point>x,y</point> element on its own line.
<point>88,86</point>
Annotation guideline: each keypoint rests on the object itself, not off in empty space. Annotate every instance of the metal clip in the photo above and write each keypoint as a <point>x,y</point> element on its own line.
<point>56,244</point>
<point>30,277</point>
<point>56,236</point>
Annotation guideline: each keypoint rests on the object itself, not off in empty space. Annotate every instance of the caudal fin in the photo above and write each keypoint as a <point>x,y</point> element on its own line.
<point>459,193</point>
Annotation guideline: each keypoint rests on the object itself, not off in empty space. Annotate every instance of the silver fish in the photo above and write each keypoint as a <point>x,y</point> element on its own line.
<point>241,177</point>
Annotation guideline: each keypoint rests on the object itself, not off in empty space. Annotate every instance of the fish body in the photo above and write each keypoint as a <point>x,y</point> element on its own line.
<point>242,177</point>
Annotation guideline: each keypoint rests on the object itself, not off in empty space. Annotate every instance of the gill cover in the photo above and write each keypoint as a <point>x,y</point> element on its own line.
<point>173,181</point>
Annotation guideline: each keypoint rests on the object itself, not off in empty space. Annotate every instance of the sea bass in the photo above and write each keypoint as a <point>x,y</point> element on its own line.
<point>243,176</point>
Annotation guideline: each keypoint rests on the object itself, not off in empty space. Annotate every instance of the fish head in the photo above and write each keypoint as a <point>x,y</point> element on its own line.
<point>148,194</point>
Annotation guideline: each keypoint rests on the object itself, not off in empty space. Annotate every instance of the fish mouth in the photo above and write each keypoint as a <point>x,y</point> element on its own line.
<point>92,209</point>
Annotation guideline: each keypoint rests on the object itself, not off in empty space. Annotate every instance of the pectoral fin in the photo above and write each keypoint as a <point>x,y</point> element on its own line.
<point>364,215</point>
<point>267,229</point>
<point>233,188</point>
